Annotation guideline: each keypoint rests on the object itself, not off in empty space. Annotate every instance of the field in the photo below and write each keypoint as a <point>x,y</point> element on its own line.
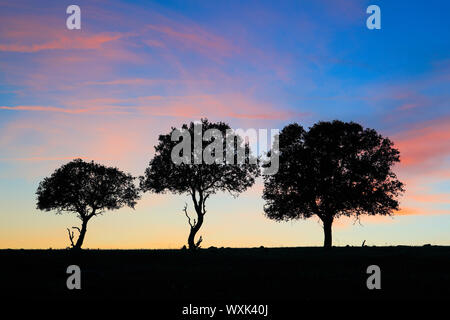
<point>260,275</point>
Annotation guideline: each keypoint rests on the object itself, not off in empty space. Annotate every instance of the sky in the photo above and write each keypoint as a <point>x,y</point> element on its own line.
<point>137,68</point>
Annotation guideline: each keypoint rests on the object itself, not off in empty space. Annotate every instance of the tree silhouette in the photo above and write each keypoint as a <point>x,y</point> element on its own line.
<point>334,169</point>
<point>87,189</point>
<point>195,177</point>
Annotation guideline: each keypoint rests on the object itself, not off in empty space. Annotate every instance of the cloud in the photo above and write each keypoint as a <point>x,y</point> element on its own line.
<point>31,145</point>
<point>43,108</point>
<point>425,145</point>
<point>443,198</point>
<point>191,37</point>
<point>131,82</point>
<point>229,106</point>
<point>98,110</point>
<point>424,154</point>
<point>31,34</point>
<point>63,42</point>
<point>407,211</point>
<point>37,159</point>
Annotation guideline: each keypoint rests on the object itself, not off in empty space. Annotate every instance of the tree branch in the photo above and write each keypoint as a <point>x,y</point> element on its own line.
<point>71,235</point>
<point>189,218</point>
<point>204,202</point>
<point>93,213</point>
<point>194,199</point>
<point>199,241</point>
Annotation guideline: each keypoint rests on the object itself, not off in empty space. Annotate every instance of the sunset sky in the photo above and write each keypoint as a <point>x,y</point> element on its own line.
<point>136,68</point>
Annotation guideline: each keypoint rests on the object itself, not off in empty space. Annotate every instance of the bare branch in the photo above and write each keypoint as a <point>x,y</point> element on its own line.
<point>189,218</point>
<point>204,202</point>
<point>199,241</point>
<point>71,235</point>
<point>357,220</point>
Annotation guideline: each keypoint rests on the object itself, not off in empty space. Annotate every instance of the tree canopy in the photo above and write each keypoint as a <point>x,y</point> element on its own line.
<point>87,189</point>
<point>334,169</point>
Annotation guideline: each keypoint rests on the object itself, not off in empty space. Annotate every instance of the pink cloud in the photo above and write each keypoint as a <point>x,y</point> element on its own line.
<point>33,143</point>
<point>432,198</point>
<point>98,110</point>
<point>30,34</point>
<point>425,145</point>
<point>192,37</point>
<point>408,211</point>
<point>154,43</point>
<point>63,43</point>
<point>131,82</point>
<point>424,154</point>
<point>218,106</point>
<point>226,106</point>
<point>37,159</point>
<point>408,106</point>
<point>43,108</point>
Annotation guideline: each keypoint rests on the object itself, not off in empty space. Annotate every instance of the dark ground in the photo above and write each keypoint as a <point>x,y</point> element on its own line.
<point>260,275</point>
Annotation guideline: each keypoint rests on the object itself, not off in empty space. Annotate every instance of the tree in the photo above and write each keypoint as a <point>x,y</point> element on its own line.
<point>195,176</point>
<point>334,169</point>
<point>87,189</point>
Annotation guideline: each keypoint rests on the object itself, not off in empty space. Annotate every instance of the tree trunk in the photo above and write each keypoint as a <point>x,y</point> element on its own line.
<point>194,230</point>
<point>327,222</point>
<point>82,234</point>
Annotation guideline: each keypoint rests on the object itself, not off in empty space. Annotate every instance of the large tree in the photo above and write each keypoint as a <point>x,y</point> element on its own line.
<point>195,176</point>
<point>334,169</point>
<point>87,189</point>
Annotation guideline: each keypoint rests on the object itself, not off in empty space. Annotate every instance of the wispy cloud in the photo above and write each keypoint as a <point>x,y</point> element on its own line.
<point>43,108</point>
<point>192,106</point>
<point>191,37</point>
<point>98,110</point>
<point>64,42</point>
<point>425,145</point>
<point>31,34</point>
<point>38,159</point>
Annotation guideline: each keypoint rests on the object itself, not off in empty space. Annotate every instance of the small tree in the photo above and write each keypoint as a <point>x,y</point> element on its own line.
<point>335,169</point>
<point>87,189</point>
<point>194,176</point>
